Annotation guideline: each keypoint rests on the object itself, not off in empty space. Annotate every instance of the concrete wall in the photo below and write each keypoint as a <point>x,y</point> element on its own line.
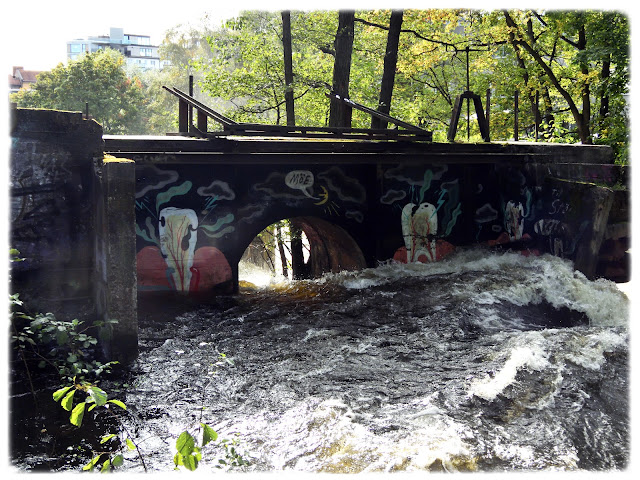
<point>72,221</point>
<point>115,258</point>
<point>52,217</point>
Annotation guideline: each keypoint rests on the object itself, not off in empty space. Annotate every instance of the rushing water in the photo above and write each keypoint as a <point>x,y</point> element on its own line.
<point>480,362</point>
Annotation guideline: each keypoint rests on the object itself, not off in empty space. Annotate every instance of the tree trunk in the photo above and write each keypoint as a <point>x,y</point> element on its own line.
<point>283,257</point>
<point>389,71</point>
<point>297,254</point>
<point>581,119</point>
<point>548,119</point>
<point>586,91</point>
<point>339,112</point>
<point>288,68</point>
<point>605,74</point>
<point>525,73</point>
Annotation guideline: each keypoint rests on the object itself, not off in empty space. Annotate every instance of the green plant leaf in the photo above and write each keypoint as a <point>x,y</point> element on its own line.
<point>185,443</point>
<point>208,434</point>
<point>118,403</point>
<point>97,395</point>
<point>105,465</point>
<point>118,460</point>
<point>107,437</point>
<point>67,401</point>
<point>62,337</point>
<point>130,444</point>
<point>92,463</point>
<point>58,394</point>
<point>77,414</point>
<point>190,462</point>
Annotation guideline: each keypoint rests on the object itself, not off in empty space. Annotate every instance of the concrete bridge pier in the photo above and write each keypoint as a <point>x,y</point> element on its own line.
<point>116,279</point>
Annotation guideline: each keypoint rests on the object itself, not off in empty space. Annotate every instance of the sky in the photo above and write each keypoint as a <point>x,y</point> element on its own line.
<point>37,30</point>
<point>34,32</point>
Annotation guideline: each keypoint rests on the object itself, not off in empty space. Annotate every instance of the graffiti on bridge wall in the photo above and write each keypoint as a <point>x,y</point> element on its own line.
<point>562,237</point>
<point>181,219</point>
<point>174,261</point>
<point>185,220</point>
<point>332,191</point>
<point>427,214</point>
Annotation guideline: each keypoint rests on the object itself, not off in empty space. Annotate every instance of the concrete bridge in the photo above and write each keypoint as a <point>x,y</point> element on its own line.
<point>199,203</point>
<point>125,216</point>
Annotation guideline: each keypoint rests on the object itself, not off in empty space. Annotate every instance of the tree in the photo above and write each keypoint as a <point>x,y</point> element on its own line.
<point>389,71</point>
<point>182,47</point>
<point>98,79</point>
<point>569,67</point>
<point>340,113</point>
<point>573,50</point>
<point>288,67</point>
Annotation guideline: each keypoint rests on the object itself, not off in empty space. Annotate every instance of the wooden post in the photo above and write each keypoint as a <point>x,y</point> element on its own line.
<point>202,121</point>
<point>190,119</point>
<point>487,115</point>
<point>536,115</point>
<point>183,116</point>
<point>515,116</point>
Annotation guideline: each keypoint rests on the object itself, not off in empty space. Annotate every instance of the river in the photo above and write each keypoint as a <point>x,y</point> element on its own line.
<point>485,361</point>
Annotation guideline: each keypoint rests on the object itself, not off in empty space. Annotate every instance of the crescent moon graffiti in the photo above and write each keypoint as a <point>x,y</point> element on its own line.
<point>324,195</point>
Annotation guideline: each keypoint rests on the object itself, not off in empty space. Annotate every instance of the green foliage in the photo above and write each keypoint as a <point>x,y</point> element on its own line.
<point>99,79</point>
<point>14,255</point>
<point>65,346</point>
<point>189,453</point>
<point>582,55</point>
<point>96,397</point>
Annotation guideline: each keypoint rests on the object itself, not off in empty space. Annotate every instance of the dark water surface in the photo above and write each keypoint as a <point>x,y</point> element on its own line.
<point>481,362</point>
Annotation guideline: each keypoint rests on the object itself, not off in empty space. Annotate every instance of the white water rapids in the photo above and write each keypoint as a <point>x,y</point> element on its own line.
<point>482,362</point>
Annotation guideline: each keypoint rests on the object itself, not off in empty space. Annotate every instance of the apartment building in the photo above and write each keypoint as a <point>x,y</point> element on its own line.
<point>137,49</point>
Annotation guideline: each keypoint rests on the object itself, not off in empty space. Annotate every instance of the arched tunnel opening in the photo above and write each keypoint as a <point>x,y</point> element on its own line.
<point>298,248</point>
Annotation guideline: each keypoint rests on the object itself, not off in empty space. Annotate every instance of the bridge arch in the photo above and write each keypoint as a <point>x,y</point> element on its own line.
<point>331,247</point>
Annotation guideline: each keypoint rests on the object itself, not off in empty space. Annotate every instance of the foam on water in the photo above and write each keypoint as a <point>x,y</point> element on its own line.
<point>388,370</point>
<point>532,280</point>
<point>532,356</point>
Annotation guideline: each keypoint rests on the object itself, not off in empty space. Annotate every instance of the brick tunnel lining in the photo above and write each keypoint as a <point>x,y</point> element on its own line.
<point>332,249</point>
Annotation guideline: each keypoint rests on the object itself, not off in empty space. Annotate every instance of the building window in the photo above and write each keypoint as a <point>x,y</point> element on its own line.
<point>146,52</point>
<point>75,48</point>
